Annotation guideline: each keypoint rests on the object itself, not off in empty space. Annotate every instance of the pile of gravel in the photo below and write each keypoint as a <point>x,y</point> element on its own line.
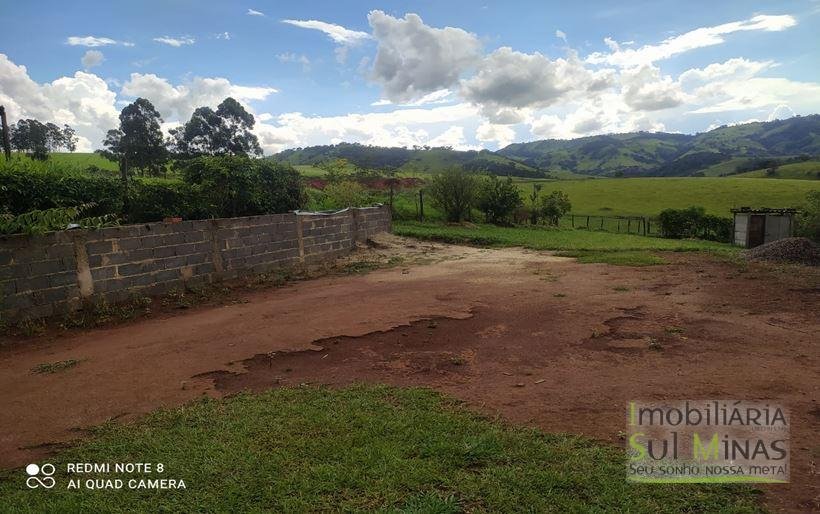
<point>797,250</point>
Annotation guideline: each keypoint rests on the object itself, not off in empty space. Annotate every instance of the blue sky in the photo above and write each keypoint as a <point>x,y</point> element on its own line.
<point>457,73</point>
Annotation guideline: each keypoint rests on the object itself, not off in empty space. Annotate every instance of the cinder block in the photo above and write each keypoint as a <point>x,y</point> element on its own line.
<point>99,247</point>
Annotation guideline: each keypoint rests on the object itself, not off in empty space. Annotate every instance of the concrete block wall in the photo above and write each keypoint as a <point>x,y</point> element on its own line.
<point>56,273</point>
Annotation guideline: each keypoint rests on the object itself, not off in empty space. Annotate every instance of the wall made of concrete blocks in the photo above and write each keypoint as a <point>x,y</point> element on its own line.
<point>42,276</point>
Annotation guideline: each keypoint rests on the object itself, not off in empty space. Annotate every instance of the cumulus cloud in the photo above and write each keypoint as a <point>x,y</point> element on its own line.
<point>252,12</point>
<point>92,58</point>
<point>645,89</point>
<point>509,82</point>
<point>697,38</point>
<point>737,68</point>
<point>607,114</point>
<point>560,34</point>
<point>178,102</point>
<point>501,135</point>
<point>83,101</point>
<point>414,59</point>
<point>452,137</point>
<point>94,41</point>
<point>405,127</point>
<point>175,41</point>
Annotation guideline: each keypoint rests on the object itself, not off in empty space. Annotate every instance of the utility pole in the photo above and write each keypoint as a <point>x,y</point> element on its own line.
<point>5,126</point>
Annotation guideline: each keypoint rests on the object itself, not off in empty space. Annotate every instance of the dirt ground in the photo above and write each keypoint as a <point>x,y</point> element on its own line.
<point>536,339</point>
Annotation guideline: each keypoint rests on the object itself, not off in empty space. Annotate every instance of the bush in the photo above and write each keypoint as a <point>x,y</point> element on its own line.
<point>230,186</point>
<point>455,192</point>
<point>27,185</point>
<point>808,220</point>
<point>339,195</point>
<point>498,199</point>
<point>553,206</point>
<point>694,222</point>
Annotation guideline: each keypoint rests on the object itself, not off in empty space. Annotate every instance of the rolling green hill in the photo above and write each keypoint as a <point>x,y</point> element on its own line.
<point>716,152</point>
<point>410,161</point>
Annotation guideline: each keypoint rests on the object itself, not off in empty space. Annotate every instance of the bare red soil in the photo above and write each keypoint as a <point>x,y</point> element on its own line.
<point>538,340</point>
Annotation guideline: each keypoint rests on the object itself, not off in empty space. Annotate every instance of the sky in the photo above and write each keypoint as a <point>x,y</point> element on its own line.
<point>467,74</point>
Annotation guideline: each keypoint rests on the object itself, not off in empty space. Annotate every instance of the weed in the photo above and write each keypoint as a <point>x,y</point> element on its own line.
<point>53,367</point>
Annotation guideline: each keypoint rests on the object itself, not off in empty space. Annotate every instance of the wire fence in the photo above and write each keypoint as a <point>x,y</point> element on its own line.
<point>639,225</point>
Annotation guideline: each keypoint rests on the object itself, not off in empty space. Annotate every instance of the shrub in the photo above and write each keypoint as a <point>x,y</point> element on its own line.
<point>553,206</point>
<point>454,191</point>
<point>808,220</point>
<point>346,193</point>
<point>27,185</point>
<point>498,199</point>
<point>229,186</point>
<point>694,222</point>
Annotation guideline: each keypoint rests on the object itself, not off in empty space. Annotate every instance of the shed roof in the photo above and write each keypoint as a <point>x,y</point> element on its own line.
<point>763,210</point>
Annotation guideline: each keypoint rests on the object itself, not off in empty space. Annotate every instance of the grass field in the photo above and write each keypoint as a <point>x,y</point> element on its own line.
<point>807,170</point>
<point>551,239</point>
<point>649,196</point>
<point>358,449</point>
<point>84,160</point>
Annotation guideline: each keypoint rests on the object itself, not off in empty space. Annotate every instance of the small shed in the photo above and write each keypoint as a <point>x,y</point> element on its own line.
<point>754,227</point>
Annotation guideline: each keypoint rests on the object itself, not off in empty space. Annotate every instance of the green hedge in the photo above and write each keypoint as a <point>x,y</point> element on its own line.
<point>210,187</point>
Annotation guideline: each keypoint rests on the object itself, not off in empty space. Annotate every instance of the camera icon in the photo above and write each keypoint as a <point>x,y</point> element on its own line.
<point>40,476</point>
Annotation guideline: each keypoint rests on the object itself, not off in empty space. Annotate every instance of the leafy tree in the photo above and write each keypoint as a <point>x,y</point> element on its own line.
<point>455,192</point>
<point>39,139</point>
<point>498,199</point>
<point>138,143</point>
<point>553,206</point>
<point>226,131</point>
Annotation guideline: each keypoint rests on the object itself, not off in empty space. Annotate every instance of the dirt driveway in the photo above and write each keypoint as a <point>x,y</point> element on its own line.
<point>536,339</point>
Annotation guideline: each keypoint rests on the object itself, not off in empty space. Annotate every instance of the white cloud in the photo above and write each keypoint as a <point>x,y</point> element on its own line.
<point>92,58</point>
<point>175,42</point>
<point>645,89</point>
<point>501,135</point>
<point>94,41</point>
<point>82,101</point>
<point>294,58</point>
<point>560,34</point>
<point>756,94</point>
<point>414,59</point>
<point>454,138</point>
<point>781,112</point>
<point>404,127</point>
<point>337,33</point>
<point>737,68</point>
<point>697,38</point>
<point>252,12</point>
<point>178,102</point>
<point>509,82</point>
<point>224,35</point>
<point>436,97</point>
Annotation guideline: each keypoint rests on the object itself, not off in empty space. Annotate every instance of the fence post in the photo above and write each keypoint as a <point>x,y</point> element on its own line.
<point>421,204</point>
<point>629,225</point>
<point>602,222</point>
<point>573,220</point>
<point>644,225</point>
<point>587,222</point>
<point>5,128</point>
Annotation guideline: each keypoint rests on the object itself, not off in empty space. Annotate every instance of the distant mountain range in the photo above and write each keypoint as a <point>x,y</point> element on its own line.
<point>730,149</point>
